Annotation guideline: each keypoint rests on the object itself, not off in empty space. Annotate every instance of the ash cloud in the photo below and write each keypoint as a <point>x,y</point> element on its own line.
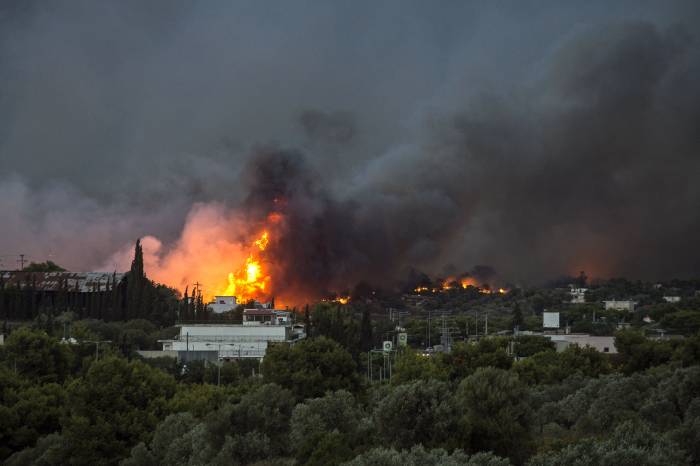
<point>400,134</point>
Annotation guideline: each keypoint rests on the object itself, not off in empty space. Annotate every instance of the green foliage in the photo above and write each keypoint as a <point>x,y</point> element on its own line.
<point>311,368</point>
<point>37,356</point>
<point>527,345</point>
<point>228,371</point>
<point>685,322</point>
<point>340,324</point>
<point>197,399</point>
<point>267,411</point>
<point>419,456</point>
<point>114,406</point>
<point>47,266</point>
<point>27,413</point>
<point>325,430</point>
<point>411,365</point>
<point>637,353</point>
<point>551,367</point>
<point>418,412</point>
<point>496,415</point>
<point>465,358</point>
<point>630,445</point>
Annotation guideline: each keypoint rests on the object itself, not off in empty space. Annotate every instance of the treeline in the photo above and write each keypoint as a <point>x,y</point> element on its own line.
<point>132,297</point>
<point>311,404</point>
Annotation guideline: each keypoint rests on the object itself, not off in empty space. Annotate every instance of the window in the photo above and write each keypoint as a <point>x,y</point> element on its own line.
<point>222,301</point>
<point>606,350</point>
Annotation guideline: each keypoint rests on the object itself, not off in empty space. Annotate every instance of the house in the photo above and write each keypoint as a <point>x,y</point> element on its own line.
<point>672,299</point>
<point>602,344</point>
<point>620,305</point>
<point>222,304</point>
<point>578,295</point>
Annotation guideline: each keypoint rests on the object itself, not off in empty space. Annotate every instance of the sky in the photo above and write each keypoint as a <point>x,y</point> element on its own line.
<point>539,138</point>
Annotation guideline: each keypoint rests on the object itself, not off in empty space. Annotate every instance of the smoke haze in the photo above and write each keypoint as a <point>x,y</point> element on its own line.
<point>539,141</point>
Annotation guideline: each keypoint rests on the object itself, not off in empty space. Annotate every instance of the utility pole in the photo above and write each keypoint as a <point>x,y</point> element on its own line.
<point>97,347</point>
<point>486,324</point>
<point>21,261</point>
<point>428,328</point>
<point>446,333</point>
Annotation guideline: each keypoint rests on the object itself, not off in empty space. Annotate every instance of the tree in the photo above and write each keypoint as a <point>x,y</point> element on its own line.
<point>197,399</point>
<point>27,414</point>
<point>326,429</point>
<point>527,345</point>
<point>465,357</point>
<point>517,322</point>
<point>496,414</point>
<point>430,407</point>
<point>310,368</point>
<point>267,411</point>
<point>47,266</point>
<point>411,366</point>
<point>419,456</point>
<point>366,337</point>
<point>547,367</point>
<point>38,356</point>
<point>630,445</point>
<point>337,323</point>
<point>114,406</point>
<point>582,279</point>
<point>637,353</point>
<point>135,283</point>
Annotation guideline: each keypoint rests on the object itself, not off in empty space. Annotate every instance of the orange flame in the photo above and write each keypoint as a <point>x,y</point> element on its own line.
<point>250,281</point>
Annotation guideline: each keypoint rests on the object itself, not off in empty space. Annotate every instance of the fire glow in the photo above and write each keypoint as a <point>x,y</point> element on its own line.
<point>465,282</point>
<point>250,281</point>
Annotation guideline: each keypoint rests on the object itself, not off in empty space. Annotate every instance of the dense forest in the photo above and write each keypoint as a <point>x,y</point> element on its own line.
<point>312,403</point>
<point>73,389</point>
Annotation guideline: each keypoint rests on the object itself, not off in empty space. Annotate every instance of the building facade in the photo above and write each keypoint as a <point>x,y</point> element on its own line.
<point>620,305</point>
<point>235,341</point>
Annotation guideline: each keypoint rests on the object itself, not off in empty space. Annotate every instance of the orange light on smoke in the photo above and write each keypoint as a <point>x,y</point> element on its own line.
<point>468,281</point>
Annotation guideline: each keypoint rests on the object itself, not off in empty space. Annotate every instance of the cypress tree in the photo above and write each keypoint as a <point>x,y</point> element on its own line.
<point>517,317</point>
<point>307,322</point>
<point>366,331</point>
<point>135,283</point>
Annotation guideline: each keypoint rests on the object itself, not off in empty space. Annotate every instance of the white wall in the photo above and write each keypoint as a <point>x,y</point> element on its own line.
<point>599,343</point>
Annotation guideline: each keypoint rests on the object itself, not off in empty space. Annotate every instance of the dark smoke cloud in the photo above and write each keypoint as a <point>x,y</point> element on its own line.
<point>402,134</point>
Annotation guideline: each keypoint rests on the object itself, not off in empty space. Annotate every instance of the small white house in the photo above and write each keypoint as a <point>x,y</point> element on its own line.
<point>265,317</point>
<point>672,299</point>
<point>578,295</point>
<point>620,305</point>
<point>222,304</point>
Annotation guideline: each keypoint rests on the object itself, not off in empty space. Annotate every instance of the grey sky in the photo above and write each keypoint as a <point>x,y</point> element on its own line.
<point>537,137</point>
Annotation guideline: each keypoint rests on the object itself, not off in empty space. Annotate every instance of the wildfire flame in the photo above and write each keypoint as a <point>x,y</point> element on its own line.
<point>464,282</point>
<point>250,281</point>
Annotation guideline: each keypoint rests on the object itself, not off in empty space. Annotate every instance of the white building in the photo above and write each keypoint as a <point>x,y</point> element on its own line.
<point>578,295</point>
<point>222,304</point>
<point>550,320</point>
<point>235,341</point>
<point>672,299</point>
<point>620,305</point>
<point>602,344</point>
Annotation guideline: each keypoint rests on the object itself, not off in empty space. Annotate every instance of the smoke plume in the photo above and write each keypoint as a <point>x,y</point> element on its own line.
<point>391,136</point>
